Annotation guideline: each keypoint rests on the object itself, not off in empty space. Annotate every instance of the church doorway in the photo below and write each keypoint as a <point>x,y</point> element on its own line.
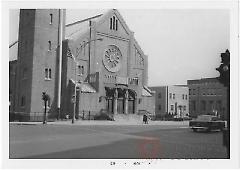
<point>120,100</point>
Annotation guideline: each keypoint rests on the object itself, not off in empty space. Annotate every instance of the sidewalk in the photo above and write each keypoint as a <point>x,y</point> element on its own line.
<point>103,122</point>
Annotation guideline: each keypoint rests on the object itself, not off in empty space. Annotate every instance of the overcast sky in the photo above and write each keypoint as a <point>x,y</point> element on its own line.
<point>181,44</point>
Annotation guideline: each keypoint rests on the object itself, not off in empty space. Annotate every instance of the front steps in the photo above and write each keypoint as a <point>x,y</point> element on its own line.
<point>128,118</point>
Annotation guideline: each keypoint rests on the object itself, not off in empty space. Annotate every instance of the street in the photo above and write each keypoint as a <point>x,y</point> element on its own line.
<point>113,141</point>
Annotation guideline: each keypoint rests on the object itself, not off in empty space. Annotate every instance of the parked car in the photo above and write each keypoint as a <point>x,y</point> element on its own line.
<point>207,122</point>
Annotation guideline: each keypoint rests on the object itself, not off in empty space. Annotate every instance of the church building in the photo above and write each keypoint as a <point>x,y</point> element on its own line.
<point>88,67</point>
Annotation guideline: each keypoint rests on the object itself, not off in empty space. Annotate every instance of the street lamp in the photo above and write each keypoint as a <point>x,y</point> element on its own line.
<point>76,65</point>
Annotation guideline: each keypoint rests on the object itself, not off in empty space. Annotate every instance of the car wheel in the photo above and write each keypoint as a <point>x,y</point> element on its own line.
<point>194,130</point>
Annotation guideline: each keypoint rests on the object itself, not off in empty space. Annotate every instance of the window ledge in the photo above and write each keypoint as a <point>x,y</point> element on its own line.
<point>47,79</point>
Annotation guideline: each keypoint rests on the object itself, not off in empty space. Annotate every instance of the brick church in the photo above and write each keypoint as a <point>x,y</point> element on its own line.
<point>95,62</point>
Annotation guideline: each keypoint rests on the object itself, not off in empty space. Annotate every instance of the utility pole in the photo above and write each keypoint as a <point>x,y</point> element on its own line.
<point>60,34</point>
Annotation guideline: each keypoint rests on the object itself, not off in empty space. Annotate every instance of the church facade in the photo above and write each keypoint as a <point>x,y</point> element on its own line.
<point>103,68</point>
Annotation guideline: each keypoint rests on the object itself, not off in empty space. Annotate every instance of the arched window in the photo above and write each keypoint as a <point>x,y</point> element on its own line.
<point>116,25</point>
<point>113,22</point>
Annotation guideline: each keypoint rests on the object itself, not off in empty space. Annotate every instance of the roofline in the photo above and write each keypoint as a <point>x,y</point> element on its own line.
<point>80,21</point>
<point>168,86</point>
<point>210,78</point>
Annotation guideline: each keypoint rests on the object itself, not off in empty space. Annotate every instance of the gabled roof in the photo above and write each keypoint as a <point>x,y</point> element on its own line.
<point>78,28</point>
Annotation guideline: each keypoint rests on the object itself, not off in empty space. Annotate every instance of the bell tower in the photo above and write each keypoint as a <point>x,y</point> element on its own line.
<point>39,61</point>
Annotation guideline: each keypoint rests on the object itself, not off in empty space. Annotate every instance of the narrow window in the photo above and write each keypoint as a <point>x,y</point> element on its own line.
<point>46,73</point>
<point>23,101</point>
<point>173,96</point>
<point>82,70</point>
<point>51,18</point>
<point>159,95</point>
<point>186,96</point>
<point>116,25</point>
<point>170,95</point>
<point>50,74</point>
<point>172,107</point>
<point>110,23</point>
<point>79,70</point>
<point>183,96</point>
<point>113,23</point>
<point>159,107</point>
<point>184,108</point>
<point>49,45</point>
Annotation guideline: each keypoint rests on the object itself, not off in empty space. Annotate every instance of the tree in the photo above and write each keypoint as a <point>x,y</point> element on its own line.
<point>224,69</point>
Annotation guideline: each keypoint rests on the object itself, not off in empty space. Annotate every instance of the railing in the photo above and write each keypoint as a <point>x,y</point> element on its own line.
<point>22,116</point>
<point>38,116</point>
<point>87,114</point>
<point>33,117</point>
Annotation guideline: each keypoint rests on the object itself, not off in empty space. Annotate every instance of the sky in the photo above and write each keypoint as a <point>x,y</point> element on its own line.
<point>181,44</point>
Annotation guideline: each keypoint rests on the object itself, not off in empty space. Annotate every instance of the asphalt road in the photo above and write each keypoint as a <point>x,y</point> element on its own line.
<point>106,142</point>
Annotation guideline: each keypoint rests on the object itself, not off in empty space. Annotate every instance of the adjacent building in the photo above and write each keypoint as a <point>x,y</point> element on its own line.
<point>207,96</point>
<point>98,55</point>
<point>172,100</point>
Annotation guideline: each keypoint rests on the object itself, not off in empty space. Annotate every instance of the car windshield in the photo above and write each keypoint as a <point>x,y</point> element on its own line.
<point>204,117</point>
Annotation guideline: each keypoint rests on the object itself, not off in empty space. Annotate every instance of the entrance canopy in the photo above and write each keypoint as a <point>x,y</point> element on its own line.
<point>84,87</point>
<point>146,91</point>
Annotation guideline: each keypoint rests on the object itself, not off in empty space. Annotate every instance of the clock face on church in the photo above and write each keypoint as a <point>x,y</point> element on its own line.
<point>112,58</point>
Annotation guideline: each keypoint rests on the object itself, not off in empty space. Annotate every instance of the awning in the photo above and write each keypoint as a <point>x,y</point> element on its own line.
<point>87,88</point>
<point>146,92</point>
<point>84,87</point>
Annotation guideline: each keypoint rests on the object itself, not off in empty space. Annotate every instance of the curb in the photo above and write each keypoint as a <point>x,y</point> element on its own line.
<point>85,123</point>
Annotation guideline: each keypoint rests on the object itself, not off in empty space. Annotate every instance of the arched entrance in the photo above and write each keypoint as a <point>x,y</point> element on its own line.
<point>120,100</point>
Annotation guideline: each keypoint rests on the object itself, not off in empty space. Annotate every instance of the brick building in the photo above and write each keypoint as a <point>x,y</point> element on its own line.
<point>207,96</point>
<point>173,100</point>
<point>109,70</point>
